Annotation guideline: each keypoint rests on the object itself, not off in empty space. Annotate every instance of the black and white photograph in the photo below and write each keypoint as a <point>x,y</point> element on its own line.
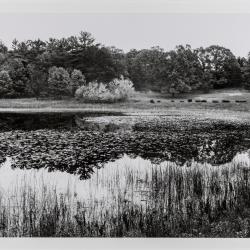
<point>122,123</point>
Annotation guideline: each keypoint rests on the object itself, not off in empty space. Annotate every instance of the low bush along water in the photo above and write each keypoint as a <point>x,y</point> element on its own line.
<point>115,91</point>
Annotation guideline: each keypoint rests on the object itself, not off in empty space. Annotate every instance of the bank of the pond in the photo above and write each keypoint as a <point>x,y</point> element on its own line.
<point>223,104</point>
<point>188,181</point>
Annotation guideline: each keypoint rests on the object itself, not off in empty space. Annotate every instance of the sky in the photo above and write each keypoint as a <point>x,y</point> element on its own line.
<point>137,30</point>
<point>128,24</point>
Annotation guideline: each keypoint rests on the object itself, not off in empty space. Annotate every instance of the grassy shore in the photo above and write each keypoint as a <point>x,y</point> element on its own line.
<point>141,101</point>
<point>149,103</point>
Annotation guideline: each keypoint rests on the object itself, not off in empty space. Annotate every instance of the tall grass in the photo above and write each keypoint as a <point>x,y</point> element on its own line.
<point>134,200</point>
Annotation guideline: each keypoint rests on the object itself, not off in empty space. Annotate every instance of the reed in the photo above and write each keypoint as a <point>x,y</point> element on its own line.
<point>150,200</point>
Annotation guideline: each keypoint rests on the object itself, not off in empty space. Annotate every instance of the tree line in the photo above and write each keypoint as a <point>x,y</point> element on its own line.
<point>58,67</point>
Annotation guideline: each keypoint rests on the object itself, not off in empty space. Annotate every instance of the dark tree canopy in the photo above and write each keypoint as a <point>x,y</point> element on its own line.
<point>183,69</point>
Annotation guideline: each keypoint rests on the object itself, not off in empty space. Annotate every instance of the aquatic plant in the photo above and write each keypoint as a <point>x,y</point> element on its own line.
<point>152,200</point>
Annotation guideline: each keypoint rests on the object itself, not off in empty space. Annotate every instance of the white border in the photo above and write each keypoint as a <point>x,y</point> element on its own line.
<point>123,243</point>
<point>125,6</point>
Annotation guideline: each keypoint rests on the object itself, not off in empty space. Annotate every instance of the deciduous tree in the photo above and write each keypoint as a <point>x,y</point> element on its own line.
<point>6,84</point>
<point>58,82</point>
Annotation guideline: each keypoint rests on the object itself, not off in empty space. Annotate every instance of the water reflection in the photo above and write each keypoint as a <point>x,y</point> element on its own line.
<point>50,120</point>
<point>80,152</point>
<point>129,179</point>
<point>77,143</point>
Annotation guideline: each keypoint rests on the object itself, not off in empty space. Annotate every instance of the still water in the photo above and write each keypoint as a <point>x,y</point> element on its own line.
<point>126,147</point>
<point>129,179</point>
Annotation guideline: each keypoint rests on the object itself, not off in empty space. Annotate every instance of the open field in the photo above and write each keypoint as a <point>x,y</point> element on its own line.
<point>141,101</point>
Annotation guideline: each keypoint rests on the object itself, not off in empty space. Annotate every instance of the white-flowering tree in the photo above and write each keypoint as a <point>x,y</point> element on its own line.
<point>115,91</point>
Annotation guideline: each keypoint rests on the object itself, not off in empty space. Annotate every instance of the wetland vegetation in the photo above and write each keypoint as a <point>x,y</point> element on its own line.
<point>108,174</point>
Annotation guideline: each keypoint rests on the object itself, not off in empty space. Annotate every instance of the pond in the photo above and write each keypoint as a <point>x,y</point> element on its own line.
<point>120,185</point>
<point>46,120</point>
<point>101,165</point>
<point>78,143</point>
<point>129,178</point>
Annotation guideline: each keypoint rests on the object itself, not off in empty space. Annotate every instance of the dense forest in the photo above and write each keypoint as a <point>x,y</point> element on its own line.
<point>58,67</point>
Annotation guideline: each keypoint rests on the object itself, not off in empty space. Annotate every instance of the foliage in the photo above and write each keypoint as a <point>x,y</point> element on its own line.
<point>221,64</point>
<point>38,80</point>
<point>6,84</point>
<point>184,64</point>
<point>58,82</point>
<point>202,68</point>
<point>77,80</point>
<point>19,75</point>
<point>3,48</point>
<point>76,150</point>
<point>246,73</point>
<point>148,69</point>
<point>122,89</point>
<point>81,52</point>
<point>114,91</point>
<point>178,87</point>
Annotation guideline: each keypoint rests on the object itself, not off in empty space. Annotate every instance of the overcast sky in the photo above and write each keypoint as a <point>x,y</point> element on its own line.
<point>127,31</point>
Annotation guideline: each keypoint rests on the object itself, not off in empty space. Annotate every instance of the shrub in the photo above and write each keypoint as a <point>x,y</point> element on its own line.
<point>115,91</point>
<point>122,89</point>
<point>206,86</point>
<point>246,85</point>
<point>241,101</point>
<point>94,92</point>
<point>58,82</point>
<point>221,83</point>
<point>6,84</point>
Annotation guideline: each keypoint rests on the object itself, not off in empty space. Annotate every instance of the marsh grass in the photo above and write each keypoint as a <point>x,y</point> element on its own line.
<point>163,200</point>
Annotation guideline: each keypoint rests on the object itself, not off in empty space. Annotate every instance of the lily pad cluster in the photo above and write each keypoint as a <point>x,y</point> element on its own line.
<point>159,139</point>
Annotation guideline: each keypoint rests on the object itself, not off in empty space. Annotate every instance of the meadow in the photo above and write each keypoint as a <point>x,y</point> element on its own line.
<point>140,102</point>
